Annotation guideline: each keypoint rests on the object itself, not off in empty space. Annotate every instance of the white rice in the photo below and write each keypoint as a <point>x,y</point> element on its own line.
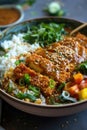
<point>14,48</point>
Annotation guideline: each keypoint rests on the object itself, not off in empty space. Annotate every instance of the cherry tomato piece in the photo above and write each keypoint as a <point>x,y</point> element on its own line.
<point>83,84</point>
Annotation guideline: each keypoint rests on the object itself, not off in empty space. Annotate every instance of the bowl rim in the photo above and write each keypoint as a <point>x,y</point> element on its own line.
<point>41,18</point>
<point>42,105</point>
<point>18,8</point>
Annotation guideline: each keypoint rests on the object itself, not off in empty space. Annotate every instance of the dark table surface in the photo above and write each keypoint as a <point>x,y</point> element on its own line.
<point>13,119</point>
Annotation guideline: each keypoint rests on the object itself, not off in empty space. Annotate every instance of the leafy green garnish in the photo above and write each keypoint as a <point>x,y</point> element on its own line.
<point>61,86</point>
<point>45,34</point>
<point>82,67</point>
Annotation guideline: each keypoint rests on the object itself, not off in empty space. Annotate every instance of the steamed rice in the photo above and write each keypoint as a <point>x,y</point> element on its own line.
<point>14,48</point>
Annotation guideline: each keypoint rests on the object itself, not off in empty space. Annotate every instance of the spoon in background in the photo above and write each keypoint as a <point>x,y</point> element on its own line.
<point>78,28</point>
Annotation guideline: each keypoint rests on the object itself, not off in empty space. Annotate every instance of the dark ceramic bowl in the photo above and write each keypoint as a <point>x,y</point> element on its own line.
<point>42,110</point>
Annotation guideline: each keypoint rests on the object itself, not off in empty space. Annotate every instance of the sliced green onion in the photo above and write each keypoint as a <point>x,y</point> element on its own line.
<point>52,83</point>
<point>36,90</point>
<point>65,96</point>
<point>31,97</point>
<point>11,86</point>
<point>22,95</point>
<point>24,80</point>
<point>27,78</point>
<point>53,101</point>
<point>21,82</point>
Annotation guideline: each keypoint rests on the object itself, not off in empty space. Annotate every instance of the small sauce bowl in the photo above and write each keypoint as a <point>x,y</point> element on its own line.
<point>10,15</point>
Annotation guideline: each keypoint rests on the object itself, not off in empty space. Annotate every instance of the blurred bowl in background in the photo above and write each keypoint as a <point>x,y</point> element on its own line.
<point>10,15</point>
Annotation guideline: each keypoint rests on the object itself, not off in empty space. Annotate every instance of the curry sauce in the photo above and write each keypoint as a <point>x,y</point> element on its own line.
<point>8,15</point>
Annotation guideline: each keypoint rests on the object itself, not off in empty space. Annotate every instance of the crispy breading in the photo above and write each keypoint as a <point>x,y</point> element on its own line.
<point>43,66</point>
<point>64,57</point>
<point>36,79</point>
<point>46,67</point>
<point>77,44</point>
<point>82,39</point>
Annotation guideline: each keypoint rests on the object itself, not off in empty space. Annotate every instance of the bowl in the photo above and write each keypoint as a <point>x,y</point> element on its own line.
<point>10,15</point>
<point>36,109</point>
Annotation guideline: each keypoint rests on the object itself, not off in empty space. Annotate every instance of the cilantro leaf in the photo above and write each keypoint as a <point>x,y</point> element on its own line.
<point>45,34</point>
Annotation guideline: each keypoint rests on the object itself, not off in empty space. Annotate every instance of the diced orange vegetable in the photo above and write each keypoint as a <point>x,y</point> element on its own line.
<point>83,94</point>
<point>73,90</point>
<point>78,78</point>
